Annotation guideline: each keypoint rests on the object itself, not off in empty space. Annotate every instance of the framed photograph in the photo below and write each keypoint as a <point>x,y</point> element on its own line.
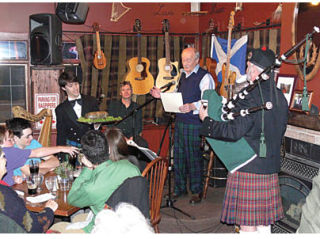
<point>287,83</point>
<point>296,103</point>
<point>70,53</point>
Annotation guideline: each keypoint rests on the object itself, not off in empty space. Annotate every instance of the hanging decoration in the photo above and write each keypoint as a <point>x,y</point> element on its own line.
<point>118,11</point>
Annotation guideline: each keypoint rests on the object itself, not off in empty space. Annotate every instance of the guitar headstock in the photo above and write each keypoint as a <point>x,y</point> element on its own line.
<point>165,25</point>
<point>231,20</point>
<point>95,26</point>
<point>137,26</point>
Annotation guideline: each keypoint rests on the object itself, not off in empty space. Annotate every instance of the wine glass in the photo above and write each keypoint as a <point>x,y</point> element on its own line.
<point>49,183</point>
<point>38,180</point>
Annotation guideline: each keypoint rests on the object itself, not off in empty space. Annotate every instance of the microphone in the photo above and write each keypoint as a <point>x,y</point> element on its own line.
<point>168,85</point>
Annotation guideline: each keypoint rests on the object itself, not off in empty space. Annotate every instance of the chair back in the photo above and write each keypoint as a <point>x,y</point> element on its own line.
<point>156,173</point>
<point>134,191</point>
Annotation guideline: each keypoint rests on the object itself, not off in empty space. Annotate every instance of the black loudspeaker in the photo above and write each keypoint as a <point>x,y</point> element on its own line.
<point>45,39</point>
<point>75,13</point>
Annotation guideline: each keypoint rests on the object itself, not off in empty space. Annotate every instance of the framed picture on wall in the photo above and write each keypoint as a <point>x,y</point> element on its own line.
<point>287,83</point>
<point>70,53</point>
<point>296,103</point>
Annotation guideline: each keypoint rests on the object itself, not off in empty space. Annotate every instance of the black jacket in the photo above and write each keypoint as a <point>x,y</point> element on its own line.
<point>249,127</point>
<point>134,191</point>
<point>67,125</point>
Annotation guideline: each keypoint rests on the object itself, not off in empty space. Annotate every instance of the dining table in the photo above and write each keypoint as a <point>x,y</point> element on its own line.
<point>64,209</point>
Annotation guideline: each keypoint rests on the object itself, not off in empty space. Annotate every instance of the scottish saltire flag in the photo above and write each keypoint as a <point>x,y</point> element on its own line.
<point>238,55</point>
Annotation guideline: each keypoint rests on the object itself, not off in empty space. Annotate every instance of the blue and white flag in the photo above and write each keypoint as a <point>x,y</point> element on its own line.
<point>237,55</point>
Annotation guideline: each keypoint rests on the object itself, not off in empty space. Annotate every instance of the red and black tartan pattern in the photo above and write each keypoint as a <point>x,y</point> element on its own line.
<point>252,199</point>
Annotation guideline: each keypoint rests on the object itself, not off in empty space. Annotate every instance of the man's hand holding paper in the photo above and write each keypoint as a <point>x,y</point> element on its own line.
<point>172,102</point>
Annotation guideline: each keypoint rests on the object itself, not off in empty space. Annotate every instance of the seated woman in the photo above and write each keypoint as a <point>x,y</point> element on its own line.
<point>12,206</point>
<point>101,176</point>
<point>119,149</point>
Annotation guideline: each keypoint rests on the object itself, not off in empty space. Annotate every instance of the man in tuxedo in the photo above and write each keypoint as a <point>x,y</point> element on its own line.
<point>69,130</point>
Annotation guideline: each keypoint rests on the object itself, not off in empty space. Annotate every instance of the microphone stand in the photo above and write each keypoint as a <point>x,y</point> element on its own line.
<point>169,201</point>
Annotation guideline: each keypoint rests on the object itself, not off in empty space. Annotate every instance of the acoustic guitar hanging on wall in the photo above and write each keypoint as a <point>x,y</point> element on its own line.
<point>168,71</point>
<point>139,75</point>
<point>99,60</point>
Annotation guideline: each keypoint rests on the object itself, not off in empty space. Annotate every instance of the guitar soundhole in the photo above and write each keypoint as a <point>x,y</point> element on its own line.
<point>139,68</point>
<point>174,70</point>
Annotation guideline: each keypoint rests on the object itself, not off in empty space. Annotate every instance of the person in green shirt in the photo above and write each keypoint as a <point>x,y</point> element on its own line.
<point>101,174</point>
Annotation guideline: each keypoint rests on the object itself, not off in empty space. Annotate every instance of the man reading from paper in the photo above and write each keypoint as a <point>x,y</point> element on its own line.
<point>187,153</point>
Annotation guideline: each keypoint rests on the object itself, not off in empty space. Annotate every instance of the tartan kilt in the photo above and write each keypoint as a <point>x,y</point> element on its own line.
<point>252,199</point>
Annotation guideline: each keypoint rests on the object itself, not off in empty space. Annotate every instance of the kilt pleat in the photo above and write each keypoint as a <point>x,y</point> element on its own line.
<point>252,199</point>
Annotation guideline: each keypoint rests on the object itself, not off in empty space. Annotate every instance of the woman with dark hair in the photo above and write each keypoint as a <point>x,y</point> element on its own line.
<point>117,144</point>
<point>119,149</point>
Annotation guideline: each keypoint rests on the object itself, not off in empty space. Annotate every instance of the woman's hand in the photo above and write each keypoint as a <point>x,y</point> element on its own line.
<point>51,204</point>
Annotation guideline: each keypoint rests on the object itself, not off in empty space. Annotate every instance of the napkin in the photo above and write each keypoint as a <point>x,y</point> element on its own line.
<point>40,198</point>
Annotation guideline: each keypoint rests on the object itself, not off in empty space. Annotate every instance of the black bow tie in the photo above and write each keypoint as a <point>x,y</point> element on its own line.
<point>73,102</point>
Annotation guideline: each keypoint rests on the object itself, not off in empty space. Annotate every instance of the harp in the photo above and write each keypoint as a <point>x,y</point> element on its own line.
<point>45,132</point>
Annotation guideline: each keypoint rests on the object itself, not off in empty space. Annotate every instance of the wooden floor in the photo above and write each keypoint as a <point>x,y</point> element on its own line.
<point>205,216</point>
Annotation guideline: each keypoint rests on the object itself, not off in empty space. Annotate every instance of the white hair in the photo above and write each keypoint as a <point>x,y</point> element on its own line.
<point>125,219</point>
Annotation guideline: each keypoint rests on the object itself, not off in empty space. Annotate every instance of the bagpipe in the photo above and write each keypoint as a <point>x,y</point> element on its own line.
<point>263,76</point>
<point>237,154</point>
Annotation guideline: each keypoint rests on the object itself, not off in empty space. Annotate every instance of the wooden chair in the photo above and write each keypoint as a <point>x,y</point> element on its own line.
<point>156,172</point>
<point>208,175</point>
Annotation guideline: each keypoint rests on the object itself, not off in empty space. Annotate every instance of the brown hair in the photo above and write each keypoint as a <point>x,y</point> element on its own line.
<point>124,83</point>
<point>117,143</point>
<point>3,131</point>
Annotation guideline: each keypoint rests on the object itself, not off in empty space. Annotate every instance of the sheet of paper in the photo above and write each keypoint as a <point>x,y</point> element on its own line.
<point>172,101</point>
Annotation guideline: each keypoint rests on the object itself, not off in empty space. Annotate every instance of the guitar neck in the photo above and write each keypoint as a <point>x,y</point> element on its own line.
<point>167,45</point>
<point>228,52</point>
<point>98,43</point>
<point>139,48</point>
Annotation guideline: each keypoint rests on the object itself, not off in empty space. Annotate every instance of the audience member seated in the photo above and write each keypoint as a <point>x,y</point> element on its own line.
<point>12,206</point>
<point>99,178</point>
<point>131,127</point>
<point>119,148</point>
<point>124,219</point>
<point>18,157</point>
<point>23,139</point>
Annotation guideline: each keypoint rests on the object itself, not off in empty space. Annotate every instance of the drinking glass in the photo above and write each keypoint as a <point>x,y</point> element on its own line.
<point>49,183</point>
<point>34,168</point>
<point>64,184</point>
<point>39,180</point>
<point>32,185</point>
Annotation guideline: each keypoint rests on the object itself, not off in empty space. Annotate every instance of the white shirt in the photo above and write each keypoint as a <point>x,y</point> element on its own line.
<point>77,108</point>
